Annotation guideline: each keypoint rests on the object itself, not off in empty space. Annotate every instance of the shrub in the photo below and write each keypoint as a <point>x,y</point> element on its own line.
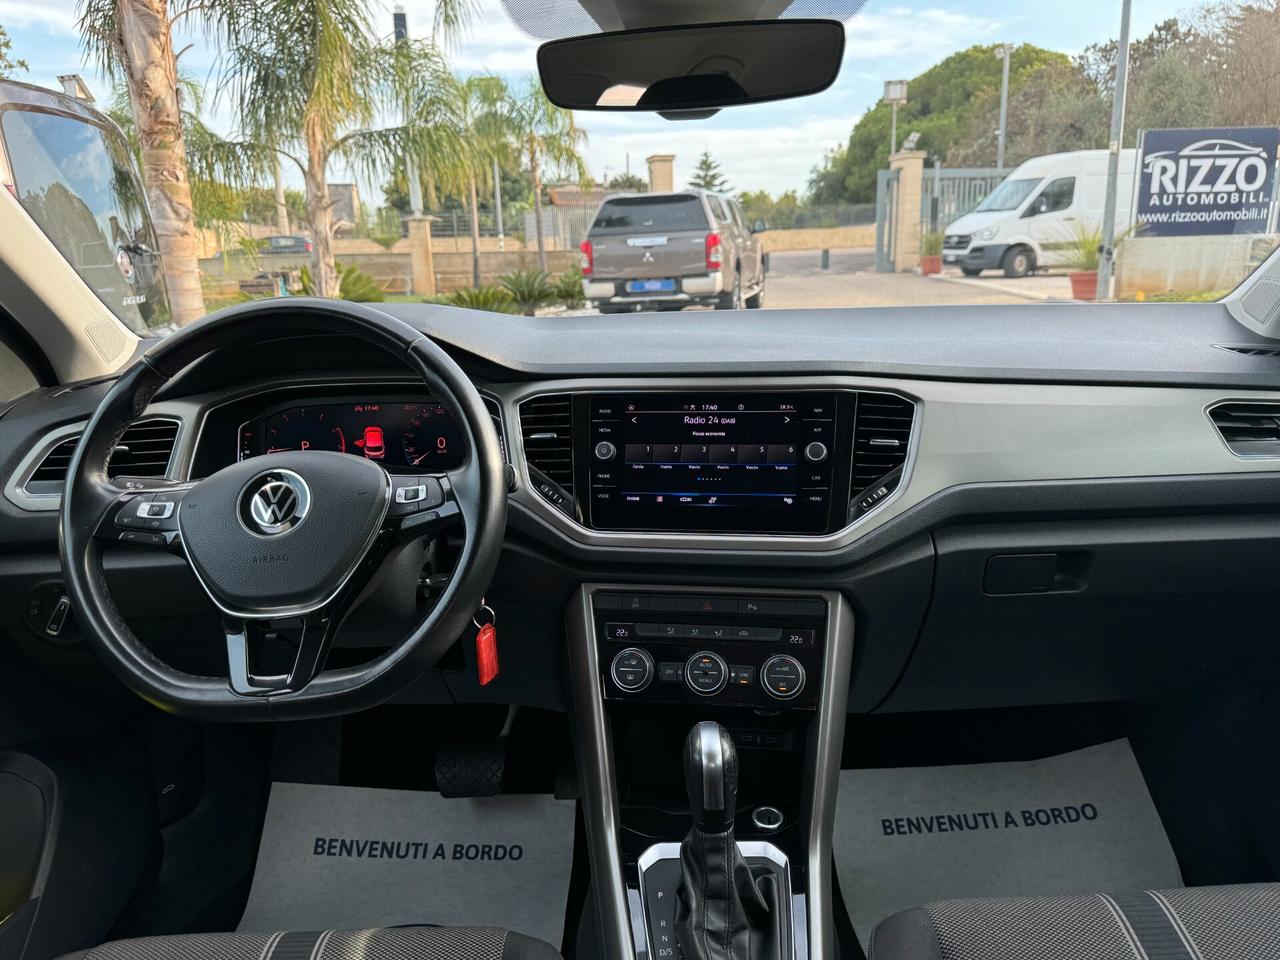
<point>568,287</point>
<point>353,284</point>
<point>492,299</point>
<point>1083,248</point>
<point>530,289</point>
<point>931,244</point>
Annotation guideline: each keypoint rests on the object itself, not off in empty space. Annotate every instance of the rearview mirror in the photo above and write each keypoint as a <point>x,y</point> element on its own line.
<point>692,71</point>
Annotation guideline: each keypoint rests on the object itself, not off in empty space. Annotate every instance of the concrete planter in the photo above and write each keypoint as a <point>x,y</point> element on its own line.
<point>1084,284</point>
<point>929,265</point>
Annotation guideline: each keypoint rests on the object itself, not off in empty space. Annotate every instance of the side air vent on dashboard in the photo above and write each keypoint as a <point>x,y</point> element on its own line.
<point>143,451</point>
<point>1248,429</point>
<point>881,433</point>
<point>495,414</point>
<point>546,427</point>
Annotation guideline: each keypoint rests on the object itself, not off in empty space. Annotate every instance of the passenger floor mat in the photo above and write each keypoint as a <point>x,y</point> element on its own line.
<point>1081,822</point>
<point>350,857</point>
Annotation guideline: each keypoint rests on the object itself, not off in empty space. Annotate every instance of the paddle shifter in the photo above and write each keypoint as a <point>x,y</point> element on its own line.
<point>725,910</point>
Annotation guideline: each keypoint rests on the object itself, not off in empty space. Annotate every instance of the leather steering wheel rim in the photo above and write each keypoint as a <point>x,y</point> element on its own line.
<point>478,486</point>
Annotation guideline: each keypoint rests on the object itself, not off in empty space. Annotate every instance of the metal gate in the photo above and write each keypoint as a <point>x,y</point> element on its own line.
<point>886,217</point>
<point>949,194</point>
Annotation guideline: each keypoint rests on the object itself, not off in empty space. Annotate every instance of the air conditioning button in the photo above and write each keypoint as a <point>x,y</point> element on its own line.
<point>782,677</point>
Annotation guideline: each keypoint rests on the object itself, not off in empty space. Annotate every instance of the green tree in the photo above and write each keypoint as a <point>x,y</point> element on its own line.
<point>490,132</point>
<point>707,175</point>
<point>629,182</point>
<point>546,137</point>
<point>8,64</point>
<point>311,79</point>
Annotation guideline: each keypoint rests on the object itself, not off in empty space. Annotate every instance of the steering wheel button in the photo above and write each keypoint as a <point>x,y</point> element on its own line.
<point>411,494</point>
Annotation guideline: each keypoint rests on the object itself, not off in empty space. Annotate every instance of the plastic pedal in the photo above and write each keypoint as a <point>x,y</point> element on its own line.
<point>471,769</point>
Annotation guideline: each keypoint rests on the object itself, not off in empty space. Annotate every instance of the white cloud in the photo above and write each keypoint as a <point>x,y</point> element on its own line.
<point>38,13</point>
<point>901,33</point>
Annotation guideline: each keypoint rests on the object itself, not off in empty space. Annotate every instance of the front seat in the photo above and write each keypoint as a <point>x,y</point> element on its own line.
<point>1195,923</point>
<point>390,943</point>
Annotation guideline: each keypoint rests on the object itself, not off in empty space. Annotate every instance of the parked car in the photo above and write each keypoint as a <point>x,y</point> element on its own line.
<point>1030,219</point>
<point>70,168</point>
<point>670,251</point>
<point>289,244</point>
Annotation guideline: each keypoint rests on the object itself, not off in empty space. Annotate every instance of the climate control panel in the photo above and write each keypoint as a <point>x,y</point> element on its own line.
<point>694,647</point>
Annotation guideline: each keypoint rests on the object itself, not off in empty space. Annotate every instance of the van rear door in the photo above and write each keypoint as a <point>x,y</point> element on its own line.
<point>656,237</point>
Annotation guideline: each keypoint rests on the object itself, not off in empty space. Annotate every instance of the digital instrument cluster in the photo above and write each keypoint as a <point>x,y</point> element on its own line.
<point>400,434</point>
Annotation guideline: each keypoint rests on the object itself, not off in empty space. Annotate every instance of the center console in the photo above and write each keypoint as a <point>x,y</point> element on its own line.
<point>769,668</point>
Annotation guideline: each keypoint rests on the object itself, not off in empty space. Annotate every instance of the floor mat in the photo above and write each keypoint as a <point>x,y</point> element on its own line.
<point>1081,822</point>
<point>351,857</point>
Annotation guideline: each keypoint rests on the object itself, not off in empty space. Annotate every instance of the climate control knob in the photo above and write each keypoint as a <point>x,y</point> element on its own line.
<point>782,677</point>
<point>815,452</point>
<point>632,670</point>
<point>706,673</point>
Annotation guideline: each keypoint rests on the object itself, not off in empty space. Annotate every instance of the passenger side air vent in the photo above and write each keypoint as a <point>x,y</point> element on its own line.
<point>546,428</point>
<point>143,451</point>
<point>1248,429</point>
<point>881,433</point>
<point>1250,350</point>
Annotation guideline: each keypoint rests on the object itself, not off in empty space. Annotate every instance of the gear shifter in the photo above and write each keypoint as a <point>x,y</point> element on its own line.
<point>724,909</point>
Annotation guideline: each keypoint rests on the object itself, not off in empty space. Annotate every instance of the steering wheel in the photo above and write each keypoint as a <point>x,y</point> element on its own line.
<point>289,540</point>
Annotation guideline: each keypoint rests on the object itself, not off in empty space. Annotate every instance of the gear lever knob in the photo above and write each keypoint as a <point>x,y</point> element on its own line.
<point>711,776</point>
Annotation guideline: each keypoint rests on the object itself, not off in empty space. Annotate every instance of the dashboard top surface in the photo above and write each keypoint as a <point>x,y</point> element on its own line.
<point>1164,344</point>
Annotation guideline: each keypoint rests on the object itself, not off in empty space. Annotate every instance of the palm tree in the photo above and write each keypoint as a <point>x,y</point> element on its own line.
<point>487,120</point>
<point>133,39</point>
<point>546,135</point>
<point>310,78</point>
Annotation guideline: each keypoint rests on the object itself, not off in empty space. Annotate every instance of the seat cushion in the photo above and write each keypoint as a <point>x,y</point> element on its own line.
<point>1197,923</point>
<point>388,943</point>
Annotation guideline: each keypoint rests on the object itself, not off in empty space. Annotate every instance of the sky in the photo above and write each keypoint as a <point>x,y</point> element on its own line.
<point>769,147</point>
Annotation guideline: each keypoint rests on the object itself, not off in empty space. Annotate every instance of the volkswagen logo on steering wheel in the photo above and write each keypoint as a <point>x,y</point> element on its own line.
<point>274,502</point>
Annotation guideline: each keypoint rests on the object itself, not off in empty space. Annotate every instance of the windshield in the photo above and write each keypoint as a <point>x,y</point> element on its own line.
<point>356,149</point>
<point>77,180</point>
<point>1008,196</point>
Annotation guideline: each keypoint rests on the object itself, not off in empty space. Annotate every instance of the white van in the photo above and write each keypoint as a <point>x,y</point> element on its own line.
<point>1031,218</point>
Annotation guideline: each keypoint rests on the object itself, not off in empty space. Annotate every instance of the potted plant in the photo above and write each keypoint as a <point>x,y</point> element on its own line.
<point>931,253</point>
<point>1083,251</point>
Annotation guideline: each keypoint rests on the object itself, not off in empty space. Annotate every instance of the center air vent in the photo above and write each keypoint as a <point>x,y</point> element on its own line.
<point>143,451</point>
<point>546,427</point>
<point>881,432</point>
<point>1248,429</point>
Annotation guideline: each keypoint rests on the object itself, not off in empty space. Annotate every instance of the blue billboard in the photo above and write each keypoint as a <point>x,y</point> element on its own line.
<point>1208,181</point>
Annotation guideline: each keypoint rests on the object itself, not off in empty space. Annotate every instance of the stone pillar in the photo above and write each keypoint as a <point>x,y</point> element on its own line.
<point>906,214</point>
<point>662,172</point>
<point>424,268</point>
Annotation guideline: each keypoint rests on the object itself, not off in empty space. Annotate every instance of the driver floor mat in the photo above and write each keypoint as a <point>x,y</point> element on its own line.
<point>1080,822</point>
<point>351,858</point>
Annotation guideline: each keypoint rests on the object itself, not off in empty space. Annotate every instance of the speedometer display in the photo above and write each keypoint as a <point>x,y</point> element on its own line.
<point>412,434</point>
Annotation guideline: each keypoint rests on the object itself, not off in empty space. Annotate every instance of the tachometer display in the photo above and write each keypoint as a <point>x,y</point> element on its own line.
<point>412,434</point>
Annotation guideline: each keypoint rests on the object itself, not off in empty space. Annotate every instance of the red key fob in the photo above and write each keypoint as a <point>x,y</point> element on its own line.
<point>487,654</point>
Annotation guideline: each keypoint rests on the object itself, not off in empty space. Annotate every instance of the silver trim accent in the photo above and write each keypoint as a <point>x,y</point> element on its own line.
<point>1208,412</point>
<point>599,782</point>
<point>15,489</point>
<point>264,503</point>
<point>750,849</point>
<point>724,673</point>
<point>518,394</point>
<point>711,759</point>
<point>648,676</point>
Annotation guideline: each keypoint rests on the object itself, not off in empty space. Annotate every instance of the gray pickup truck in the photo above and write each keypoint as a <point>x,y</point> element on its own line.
<point>667,251</point>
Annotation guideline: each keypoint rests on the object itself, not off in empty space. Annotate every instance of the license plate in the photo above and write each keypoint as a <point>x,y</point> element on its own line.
<point>950,259</point>
<point>650,286</point>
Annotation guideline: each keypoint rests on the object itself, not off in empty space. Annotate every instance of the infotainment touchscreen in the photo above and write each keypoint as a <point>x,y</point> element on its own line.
<point>726,462</point>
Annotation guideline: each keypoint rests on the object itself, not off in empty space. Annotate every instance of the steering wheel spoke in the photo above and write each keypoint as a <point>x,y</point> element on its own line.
<point>146,518</point>
<point>308,637</point>
<point>422,505</point>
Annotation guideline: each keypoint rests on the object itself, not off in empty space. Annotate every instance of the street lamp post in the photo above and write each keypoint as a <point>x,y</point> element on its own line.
<point>1107,259</point>
<point>895,94</point>
<point>1004,52</point>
